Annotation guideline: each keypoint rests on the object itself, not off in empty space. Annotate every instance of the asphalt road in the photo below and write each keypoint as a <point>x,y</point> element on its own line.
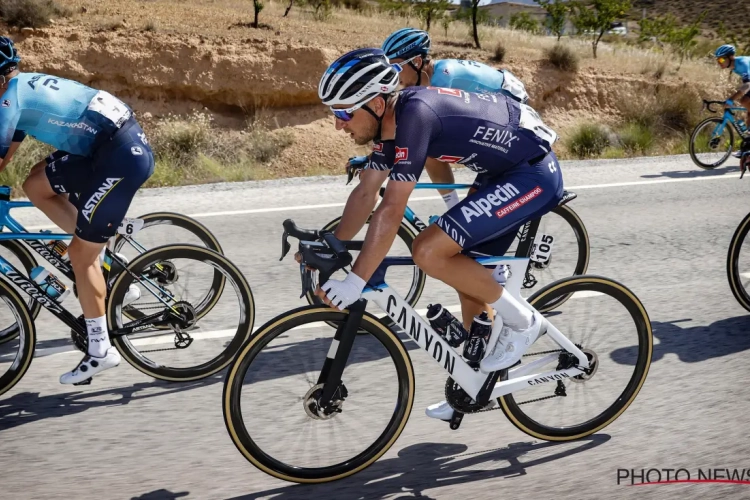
<point>658,225</point>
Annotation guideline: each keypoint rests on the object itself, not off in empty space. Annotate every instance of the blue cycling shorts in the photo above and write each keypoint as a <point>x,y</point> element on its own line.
<point>488,219</point>
<point>101,187</point>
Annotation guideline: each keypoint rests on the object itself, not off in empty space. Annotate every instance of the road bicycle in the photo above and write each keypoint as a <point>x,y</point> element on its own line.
<point>738,269</point>
<point>346,371</point>
<point>178,320</point>
<point>535,239</point>
<point>712,140</point>
<point>18,242</point>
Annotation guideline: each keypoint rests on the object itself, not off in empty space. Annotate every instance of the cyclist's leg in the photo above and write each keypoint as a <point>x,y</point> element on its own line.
<point>120,170</point>
<point>745,103</point>
<point>442,173</point>
<point>49,181</point>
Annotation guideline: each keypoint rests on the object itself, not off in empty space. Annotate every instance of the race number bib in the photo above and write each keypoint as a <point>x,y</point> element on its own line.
<point>542,248</point>
<point>109,107</point>
<point>514,86</point>
<point>530,120</point>
<point>129,227</point>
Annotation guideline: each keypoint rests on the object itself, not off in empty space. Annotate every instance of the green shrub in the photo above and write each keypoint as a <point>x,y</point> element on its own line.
<point>562,58</point>
<point>637,139</point>
<point>31,13</point>
<point>588,140</point>
<point>499,53</point>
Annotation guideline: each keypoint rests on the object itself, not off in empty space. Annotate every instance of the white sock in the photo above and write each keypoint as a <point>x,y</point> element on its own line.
<point>98,336</point>
<point>512,312</point>
<point>451,199</point>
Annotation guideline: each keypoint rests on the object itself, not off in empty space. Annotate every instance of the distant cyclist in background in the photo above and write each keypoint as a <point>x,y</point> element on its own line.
<point>726,59</point>
<point>409,48</point>
<point>102,155</point>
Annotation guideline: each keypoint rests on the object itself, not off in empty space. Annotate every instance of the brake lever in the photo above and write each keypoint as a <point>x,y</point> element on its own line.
<point>285,246</point>
<point>351,171</point>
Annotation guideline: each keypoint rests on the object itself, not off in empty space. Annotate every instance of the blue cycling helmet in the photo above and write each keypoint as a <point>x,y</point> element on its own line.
<point>9,58</point>
<point>356,77</point>
<point>406,43</point>
<point>725,50</point>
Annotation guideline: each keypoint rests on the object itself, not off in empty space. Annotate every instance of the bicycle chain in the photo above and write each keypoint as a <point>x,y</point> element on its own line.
<point>531,400</point>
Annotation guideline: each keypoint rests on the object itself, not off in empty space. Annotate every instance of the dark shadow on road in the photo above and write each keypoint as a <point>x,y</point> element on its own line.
<point>161,495</point>
<point>426,466</point>
<point>694,344</point>
<point>28,407</point>
<point>696,172</point>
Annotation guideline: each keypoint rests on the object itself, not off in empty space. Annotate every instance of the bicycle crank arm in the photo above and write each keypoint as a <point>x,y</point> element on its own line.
<point>156,319</point>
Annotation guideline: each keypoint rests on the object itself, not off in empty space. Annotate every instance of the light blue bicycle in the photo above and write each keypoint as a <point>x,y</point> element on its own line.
<point>712,140</point>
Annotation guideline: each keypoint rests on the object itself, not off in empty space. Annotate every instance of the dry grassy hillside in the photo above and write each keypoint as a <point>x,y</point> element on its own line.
<point>225,101</point>
<point>734,15</point>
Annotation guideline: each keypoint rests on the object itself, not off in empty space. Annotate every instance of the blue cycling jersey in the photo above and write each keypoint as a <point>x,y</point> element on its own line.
<point>742,68</point>
<point>487,133</point>
<point>62,113</point>
<point>474,76</point>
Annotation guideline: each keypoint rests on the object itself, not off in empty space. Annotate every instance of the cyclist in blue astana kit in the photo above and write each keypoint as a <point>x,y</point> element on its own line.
<point>726,59</point>
<point>518,178</point>
<point>103,156</point>
<point>409,48</point>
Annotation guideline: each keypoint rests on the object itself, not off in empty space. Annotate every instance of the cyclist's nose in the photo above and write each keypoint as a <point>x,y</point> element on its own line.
<point>339,124</point>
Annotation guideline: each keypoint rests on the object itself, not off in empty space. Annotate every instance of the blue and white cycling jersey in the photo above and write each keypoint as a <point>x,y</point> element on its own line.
<point>473,76</point>
<point>742,68</point>
<point>62,113</point>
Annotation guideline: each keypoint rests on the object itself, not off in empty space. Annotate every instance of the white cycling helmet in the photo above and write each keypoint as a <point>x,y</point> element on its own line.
<point>356,77</point>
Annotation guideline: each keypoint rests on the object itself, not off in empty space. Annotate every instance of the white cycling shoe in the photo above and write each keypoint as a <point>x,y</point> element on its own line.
<point>133,294</point>
<point>511,345</point>
<point>443,411</point>
<point>90,366</point>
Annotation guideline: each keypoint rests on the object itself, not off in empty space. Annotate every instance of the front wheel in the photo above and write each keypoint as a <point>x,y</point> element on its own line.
<point>16,353</point>
<point>270,396</point>
<point>708,149</point>
<point>608,323</point>
<point>178,279</point>
<point>738,270</point>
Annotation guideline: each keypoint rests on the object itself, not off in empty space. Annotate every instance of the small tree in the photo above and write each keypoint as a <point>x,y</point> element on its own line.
<point>598,16</point>
<point>683,40</point>
<point>446,21</point>
<point>257,7</point>
<point>659,28</point>
<point>557,14</point>
<point>524,22</point>
<point>474,9</point>
<point>431,10</point>
<point>288,8</point>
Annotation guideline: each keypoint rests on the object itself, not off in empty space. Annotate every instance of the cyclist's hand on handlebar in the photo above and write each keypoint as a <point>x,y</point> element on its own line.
<point>728,104</point>
<point>341,294</point>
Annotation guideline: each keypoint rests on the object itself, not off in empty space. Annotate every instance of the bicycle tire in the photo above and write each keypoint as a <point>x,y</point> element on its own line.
<point>29,262</point>
<point>733,256</point>
<point>645,349</point>
<point>233,383</point>
<point>195,252</point>
<point>27,334</point>
<point>584,250</point>
<point>195,227</point>
<point>691,147</point>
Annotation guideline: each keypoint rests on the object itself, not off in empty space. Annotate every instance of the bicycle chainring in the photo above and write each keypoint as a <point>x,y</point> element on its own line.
<point>459,400</point>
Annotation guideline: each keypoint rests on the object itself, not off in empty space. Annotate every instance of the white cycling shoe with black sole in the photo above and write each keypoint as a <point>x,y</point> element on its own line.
<point>512,344</point>
<point>444,411</point>
<point>90,366</point>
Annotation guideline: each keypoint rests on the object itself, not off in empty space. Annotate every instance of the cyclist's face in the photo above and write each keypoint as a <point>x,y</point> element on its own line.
<point>723,62</point>
<point>362,127</point>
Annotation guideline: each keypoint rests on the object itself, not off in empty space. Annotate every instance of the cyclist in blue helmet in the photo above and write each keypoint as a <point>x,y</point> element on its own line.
<point>409,48</point>
<point>726,58</point>
<point>102,159</point>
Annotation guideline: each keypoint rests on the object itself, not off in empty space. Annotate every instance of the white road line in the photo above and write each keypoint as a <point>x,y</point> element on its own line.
<point>217,334</point>
<point>429,198</point>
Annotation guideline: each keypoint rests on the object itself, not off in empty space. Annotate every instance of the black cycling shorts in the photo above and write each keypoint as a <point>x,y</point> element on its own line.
<point>102,186</point>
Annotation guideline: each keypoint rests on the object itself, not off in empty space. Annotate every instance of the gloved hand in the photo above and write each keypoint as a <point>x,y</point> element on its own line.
<point>342,294</point>
<point>356,161</point>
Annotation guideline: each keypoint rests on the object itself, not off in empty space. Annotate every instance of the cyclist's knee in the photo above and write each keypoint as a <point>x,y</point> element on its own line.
<point>439,171</point>
<point>432,247</point>
<point>83,254</point>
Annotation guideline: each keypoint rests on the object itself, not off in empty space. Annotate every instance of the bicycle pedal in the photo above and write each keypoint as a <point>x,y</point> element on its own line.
<point>84,382</point>
<point>456,419</point>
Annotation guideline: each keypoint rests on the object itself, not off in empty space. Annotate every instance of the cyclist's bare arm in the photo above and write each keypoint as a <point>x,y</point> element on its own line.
<point>738,96</point>
<point>361,202</point>
<point>9,156</point>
